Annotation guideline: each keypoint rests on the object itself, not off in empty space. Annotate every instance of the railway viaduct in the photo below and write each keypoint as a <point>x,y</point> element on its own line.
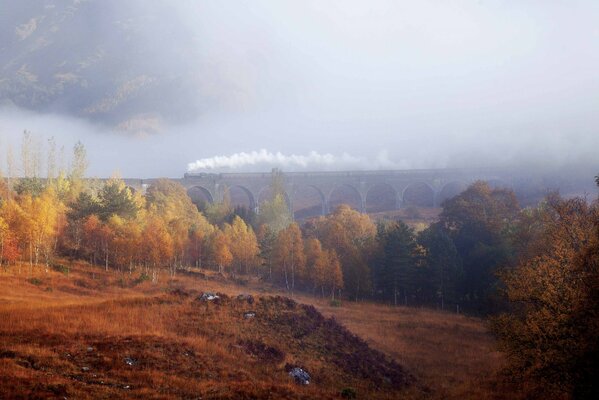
<point>317,193</point>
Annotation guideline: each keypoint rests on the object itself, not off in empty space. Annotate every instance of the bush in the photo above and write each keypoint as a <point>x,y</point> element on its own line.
<point>142,278</point>
<point>35,281</point>
<point>348,393</point>
<point>61,268</point>
<point>335,303</point>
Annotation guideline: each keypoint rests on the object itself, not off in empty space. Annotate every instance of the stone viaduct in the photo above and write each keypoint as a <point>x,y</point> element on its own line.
<point>317,193</point>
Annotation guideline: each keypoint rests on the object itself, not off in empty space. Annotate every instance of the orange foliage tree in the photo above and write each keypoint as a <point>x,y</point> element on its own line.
<point>352,236</point>
<point>550,333</point>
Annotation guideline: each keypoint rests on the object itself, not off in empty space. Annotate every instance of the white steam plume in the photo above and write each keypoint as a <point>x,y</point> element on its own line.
<point>264,159</point>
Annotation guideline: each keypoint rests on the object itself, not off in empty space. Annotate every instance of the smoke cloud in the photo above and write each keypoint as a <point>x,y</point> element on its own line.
<point>264,159</point>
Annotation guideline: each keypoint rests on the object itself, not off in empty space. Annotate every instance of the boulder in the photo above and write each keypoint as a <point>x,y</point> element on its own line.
<point>130,361</point>
<point>300,376</point>
<point>209,296</point>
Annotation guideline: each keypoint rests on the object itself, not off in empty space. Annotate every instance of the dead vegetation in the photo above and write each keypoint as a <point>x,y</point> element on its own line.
<point>97,334</point>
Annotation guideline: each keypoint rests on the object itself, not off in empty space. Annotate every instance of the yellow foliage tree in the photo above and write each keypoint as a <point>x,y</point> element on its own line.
<point>289,255</point>
<point>157,243</point>
<point>352,236</point>
<point>41,217</point>
<point>220,250</point>
<point>242,244</point>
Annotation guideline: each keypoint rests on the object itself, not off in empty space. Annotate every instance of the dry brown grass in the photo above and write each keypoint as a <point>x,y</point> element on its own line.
<point>451,356</point>
<point>454,355</point>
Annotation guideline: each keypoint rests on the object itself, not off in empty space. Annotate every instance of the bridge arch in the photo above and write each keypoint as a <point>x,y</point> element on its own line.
<point>241,196</point>
<point>381,197</point>
<point>418,194</point>
<point>308,201</point>
<point>345,194</point>
<point>450,190</point>
<point>200,196</point>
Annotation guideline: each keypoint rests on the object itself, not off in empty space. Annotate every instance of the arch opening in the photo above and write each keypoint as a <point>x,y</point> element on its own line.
<point>240,196</point>
<point>380,197</point>
<point>345,194</point>
<point>200,196</point>
<point>418,194</point>
<point>308,202</point>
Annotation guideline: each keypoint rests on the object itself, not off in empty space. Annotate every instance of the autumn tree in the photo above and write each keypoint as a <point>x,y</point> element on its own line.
<point>185,223</point>
<point>220,251</point>
<point>288,254</point>
<point>198,245</point>
<point>242,244</point>
<point>17,224</point>
<point>275,212</point>
<point>266,242</point>
<point>217,213</point>
<point>4,188</point>
<point>550,333</point>
<point>170,200</point>
<point>9,251</point>
<point>41,223</point>
<point>125,242</point>
<point>352,236</point>
<point>97,240</point>
<point>157,243</point>
<point>323,268</point>
<point>315,263</point>
<point>78,168</point>
<point>333,275</point>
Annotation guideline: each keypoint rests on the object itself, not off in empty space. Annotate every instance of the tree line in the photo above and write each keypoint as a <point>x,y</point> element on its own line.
<point>453,263</point>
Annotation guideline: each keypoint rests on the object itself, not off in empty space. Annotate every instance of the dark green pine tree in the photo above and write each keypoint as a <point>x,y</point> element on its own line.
<point>398,263</point>
<point>116,199</point>
<point>442,265</point>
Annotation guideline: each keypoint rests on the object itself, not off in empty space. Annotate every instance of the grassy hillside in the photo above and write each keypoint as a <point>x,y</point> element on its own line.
<point>95,334</point>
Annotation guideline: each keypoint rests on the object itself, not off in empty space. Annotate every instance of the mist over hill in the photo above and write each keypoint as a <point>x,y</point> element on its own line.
<point>390,84</point>
<point>133,65</point>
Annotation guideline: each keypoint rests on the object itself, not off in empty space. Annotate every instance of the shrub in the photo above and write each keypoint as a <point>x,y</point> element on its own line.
<point>348,393</point>
<point>142,278</point>
<point>35,281</point>
<point>61,268</point>
<point>335,303</point>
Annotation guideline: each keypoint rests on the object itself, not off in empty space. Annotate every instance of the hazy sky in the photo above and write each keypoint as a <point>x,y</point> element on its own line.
<point>360,84</point>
